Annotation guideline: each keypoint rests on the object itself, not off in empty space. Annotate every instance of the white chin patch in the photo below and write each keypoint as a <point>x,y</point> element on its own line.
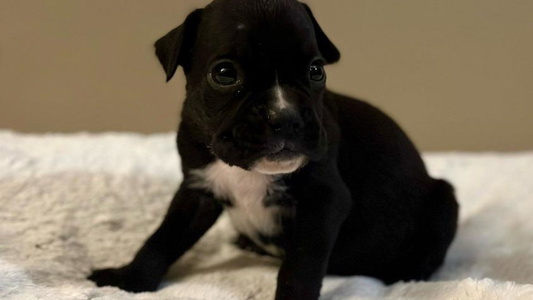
<point>273,167</point>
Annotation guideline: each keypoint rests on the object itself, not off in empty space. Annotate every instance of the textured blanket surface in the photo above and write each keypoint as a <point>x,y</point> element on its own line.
<point>70,203</point>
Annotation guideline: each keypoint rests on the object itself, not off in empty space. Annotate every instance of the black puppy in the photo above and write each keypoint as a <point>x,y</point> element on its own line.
<point>328,183</point>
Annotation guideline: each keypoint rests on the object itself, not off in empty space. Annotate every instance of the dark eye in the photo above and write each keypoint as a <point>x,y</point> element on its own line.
<point>316,72</point>
<point>224,73</point>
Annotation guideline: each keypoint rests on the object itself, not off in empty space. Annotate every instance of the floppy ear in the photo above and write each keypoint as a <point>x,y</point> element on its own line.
<point>175,47</point>
<point>330,53</point>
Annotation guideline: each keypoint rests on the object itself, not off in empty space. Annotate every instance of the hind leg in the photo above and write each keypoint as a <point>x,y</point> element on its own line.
<point>435,234</point>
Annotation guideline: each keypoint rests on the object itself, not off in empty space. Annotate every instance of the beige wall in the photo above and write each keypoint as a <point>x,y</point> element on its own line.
<point>457,75</point>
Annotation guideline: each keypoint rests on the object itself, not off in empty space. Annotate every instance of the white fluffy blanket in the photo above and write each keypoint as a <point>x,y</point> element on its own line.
<point>69,203</point>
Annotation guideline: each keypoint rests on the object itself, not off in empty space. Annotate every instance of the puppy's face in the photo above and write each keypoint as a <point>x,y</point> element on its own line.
<point>255,80</point>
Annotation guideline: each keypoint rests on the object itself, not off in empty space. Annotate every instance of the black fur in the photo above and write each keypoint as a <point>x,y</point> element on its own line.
<point>362,205</point>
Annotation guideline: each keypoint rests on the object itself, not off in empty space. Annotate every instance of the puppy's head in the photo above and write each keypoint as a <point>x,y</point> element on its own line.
<point>255,81</point>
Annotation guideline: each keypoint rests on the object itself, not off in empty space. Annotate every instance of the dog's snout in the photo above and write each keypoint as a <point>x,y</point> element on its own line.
<point>286,121</point>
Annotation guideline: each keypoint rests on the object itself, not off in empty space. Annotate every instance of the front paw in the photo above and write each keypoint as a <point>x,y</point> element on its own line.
<point>125,279</point>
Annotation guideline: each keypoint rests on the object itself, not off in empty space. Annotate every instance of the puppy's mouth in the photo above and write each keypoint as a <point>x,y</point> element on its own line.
<point>281,158</point>
<point>280,151</point>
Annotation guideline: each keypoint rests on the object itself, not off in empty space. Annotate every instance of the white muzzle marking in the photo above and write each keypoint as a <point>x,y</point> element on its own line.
<point>273,167</point>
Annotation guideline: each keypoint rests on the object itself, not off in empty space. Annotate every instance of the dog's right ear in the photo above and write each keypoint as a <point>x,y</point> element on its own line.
<point>175,47</point>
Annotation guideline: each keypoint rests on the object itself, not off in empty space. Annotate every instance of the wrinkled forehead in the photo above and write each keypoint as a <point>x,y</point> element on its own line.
<point>275,32</point>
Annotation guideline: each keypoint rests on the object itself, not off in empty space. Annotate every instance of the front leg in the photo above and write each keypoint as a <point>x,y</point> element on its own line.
<point>323,203</point>
<point>190,215</point>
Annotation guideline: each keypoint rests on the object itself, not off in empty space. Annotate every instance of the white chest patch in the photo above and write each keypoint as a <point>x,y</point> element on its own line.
<point>247,191</point>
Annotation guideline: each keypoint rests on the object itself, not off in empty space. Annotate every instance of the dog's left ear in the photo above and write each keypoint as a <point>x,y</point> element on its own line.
<point>330,53</point>
<point>175,47</point>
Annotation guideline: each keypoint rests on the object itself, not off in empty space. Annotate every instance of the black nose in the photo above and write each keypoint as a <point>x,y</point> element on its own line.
<point>284,121</point>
